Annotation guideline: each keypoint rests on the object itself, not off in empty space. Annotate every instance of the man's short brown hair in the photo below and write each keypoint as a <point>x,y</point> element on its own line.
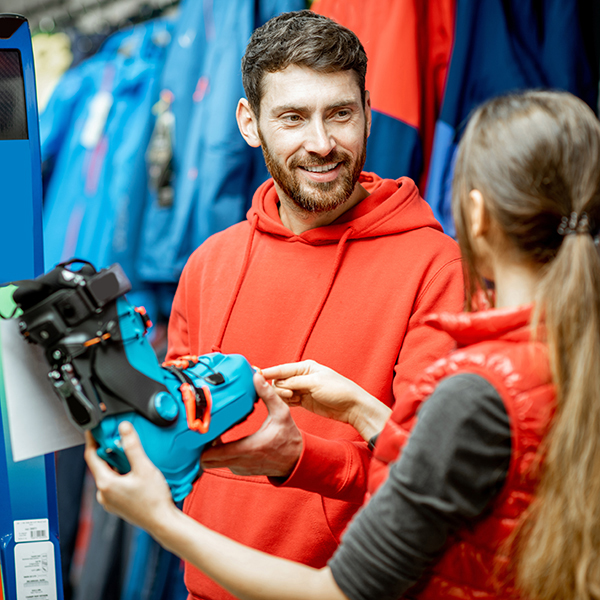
<point>302,38</point>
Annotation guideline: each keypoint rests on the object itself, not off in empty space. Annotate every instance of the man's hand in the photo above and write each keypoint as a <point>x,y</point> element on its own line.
<point>273,450</point>
<point>325,392</point>
<point>141,496</point>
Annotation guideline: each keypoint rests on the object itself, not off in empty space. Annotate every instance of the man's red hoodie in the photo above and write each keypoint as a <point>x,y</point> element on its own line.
<point>351,295</point>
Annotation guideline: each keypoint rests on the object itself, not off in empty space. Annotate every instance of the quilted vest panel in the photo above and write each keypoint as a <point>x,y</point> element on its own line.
<point>472,563</point>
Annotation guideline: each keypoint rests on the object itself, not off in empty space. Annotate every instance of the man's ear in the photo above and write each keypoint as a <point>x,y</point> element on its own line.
<point>247,122</point>
<point>368,115</point>
<point>479,216</point>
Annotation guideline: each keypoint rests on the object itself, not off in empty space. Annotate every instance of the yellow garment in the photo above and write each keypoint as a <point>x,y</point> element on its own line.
<point>52,56</point>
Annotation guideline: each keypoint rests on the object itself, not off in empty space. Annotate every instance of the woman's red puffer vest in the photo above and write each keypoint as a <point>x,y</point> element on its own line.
<point>495,344</point>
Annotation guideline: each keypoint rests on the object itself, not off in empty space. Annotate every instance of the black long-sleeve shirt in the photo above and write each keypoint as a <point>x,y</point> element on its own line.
<point>454,464</point>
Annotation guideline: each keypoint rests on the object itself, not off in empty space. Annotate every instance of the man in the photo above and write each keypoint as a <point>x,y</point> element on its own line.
<point>331,265</point>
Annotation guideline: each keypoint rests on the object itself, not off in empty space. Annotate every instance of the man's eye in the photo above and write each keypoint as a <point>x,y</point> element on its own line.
<point>343,113</point>
<point>292,118</point>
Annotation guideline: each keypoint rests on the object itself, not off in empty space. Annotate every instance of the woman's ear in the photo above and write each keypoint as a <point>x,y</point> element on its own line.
<point>479,216</point>
<point>247,123</point>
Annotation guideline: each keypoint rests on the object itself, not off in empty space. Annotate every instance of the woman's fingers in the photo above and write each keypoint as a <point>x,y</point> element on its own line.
<point>288,370</point>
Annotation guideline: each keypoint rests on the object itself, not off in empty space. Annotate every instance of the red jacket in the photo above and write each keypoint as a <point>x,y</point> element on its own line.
<point>350,295</point>
<point>408,44</point>
<point>496,345</point>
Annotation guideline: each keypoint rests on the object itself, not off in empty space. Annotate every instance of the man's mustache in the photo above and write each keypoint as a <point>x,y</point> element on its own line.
<point>335,156</point>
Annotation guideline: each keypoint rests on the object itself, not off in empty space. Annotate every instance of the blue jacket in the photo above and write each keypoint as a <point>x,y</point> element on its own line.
<point>215,171</point>
<point>94,194</point>
<point>502,46</point>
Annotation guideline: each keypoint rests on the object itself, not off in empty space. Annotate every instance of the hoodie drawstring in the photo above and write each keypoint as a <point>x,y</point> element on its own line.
<point>336,265</point>
<point>236,291</point>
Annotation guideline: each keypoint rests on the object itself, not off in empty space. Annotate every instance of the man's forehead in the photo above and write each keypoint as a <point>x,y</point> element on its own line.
<point>302,87</point>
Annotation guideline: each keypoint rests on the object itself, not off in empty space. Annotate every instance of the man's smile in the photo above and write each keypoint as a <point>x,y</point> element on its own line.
<point>326,173</point>
<point>320,168</point>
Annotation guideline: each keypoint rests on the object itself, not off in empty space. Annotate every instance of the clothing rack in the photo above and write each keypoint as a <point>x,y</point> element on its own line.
<point>88,16</point>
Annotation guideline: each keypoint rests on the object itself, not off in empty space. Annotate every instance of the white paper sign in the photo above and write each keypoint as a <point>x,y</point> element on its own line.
<point>37,420</point>
<point>34,568</point>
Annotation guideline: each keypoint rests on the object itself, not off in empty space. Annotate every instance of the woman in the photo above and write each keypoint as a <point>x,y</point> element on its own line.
<point>497,491</point>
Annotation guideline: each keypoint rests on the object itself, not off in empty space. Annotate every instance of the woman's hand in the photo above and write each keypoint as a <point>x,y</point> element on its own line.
<point>324,392</point>
<point>142,496</point>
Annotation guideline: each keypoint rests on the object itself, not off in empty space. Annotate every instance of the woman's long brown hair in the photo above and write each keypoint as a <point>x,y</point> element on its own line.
<point>535,157</point>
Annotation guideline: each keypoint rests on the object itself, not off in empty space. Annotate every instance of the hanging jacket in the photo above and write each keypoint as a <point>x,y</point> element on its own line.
<point>350,295</point>
<point>505,46</point>
<point>214,171</point>
<point>95,129</point>
<point>496,345</point>
<point>408,45</point>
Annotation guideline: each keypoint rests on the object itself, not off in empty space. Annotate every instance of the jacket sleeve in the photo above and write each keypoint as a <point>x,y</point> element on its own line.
<point>338,468</point>
<point>57,117</point>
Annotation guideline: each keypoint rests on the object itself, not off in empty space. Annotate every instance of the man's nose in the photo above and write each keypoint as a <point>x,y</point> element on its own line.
<point>319,140</point>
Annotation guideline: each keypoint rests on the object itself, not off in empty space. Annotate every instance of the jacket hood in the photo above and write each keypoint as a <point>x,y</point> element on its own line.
<point>394,206</point>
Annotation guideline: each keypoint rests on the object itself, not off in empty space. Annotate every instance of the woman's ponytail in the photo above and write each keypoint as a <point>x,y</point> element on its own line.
<point>559,549</point>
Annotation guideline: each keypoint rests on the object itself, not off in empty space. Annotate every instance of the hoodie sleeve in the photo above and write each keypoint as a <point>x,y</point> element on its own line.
<point>423,345</point>
<point>331,468</point>
<point>179,344</point>
<point>339,468</point>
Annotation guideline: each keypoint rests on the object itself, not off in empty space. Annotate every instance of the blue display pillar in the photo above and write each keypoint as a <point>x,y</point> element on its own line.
<point>29,550</point>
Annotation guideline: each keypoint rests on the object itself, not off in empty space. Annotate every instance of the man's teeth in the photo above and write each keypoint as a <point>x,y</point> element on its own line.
<point>321,168</point>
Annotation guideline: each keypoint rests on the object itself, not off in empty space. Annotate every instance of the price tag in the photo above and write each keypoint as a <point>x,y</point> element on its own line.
<point>34,530</point>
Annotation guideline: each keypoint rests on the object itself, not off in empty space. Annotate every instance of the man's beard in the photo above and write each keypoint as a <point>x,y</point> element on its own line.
<point>320,197</point>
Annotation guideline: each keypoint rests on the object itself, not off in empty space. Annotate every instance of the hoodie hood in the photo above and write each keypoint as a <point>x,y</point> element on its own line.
<point>394,206</point>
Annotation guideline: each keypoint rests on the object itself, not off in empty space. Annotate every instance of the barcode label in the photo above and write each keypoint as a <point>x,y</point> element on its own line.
<point>38,534</point>
<point>34,530</point>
